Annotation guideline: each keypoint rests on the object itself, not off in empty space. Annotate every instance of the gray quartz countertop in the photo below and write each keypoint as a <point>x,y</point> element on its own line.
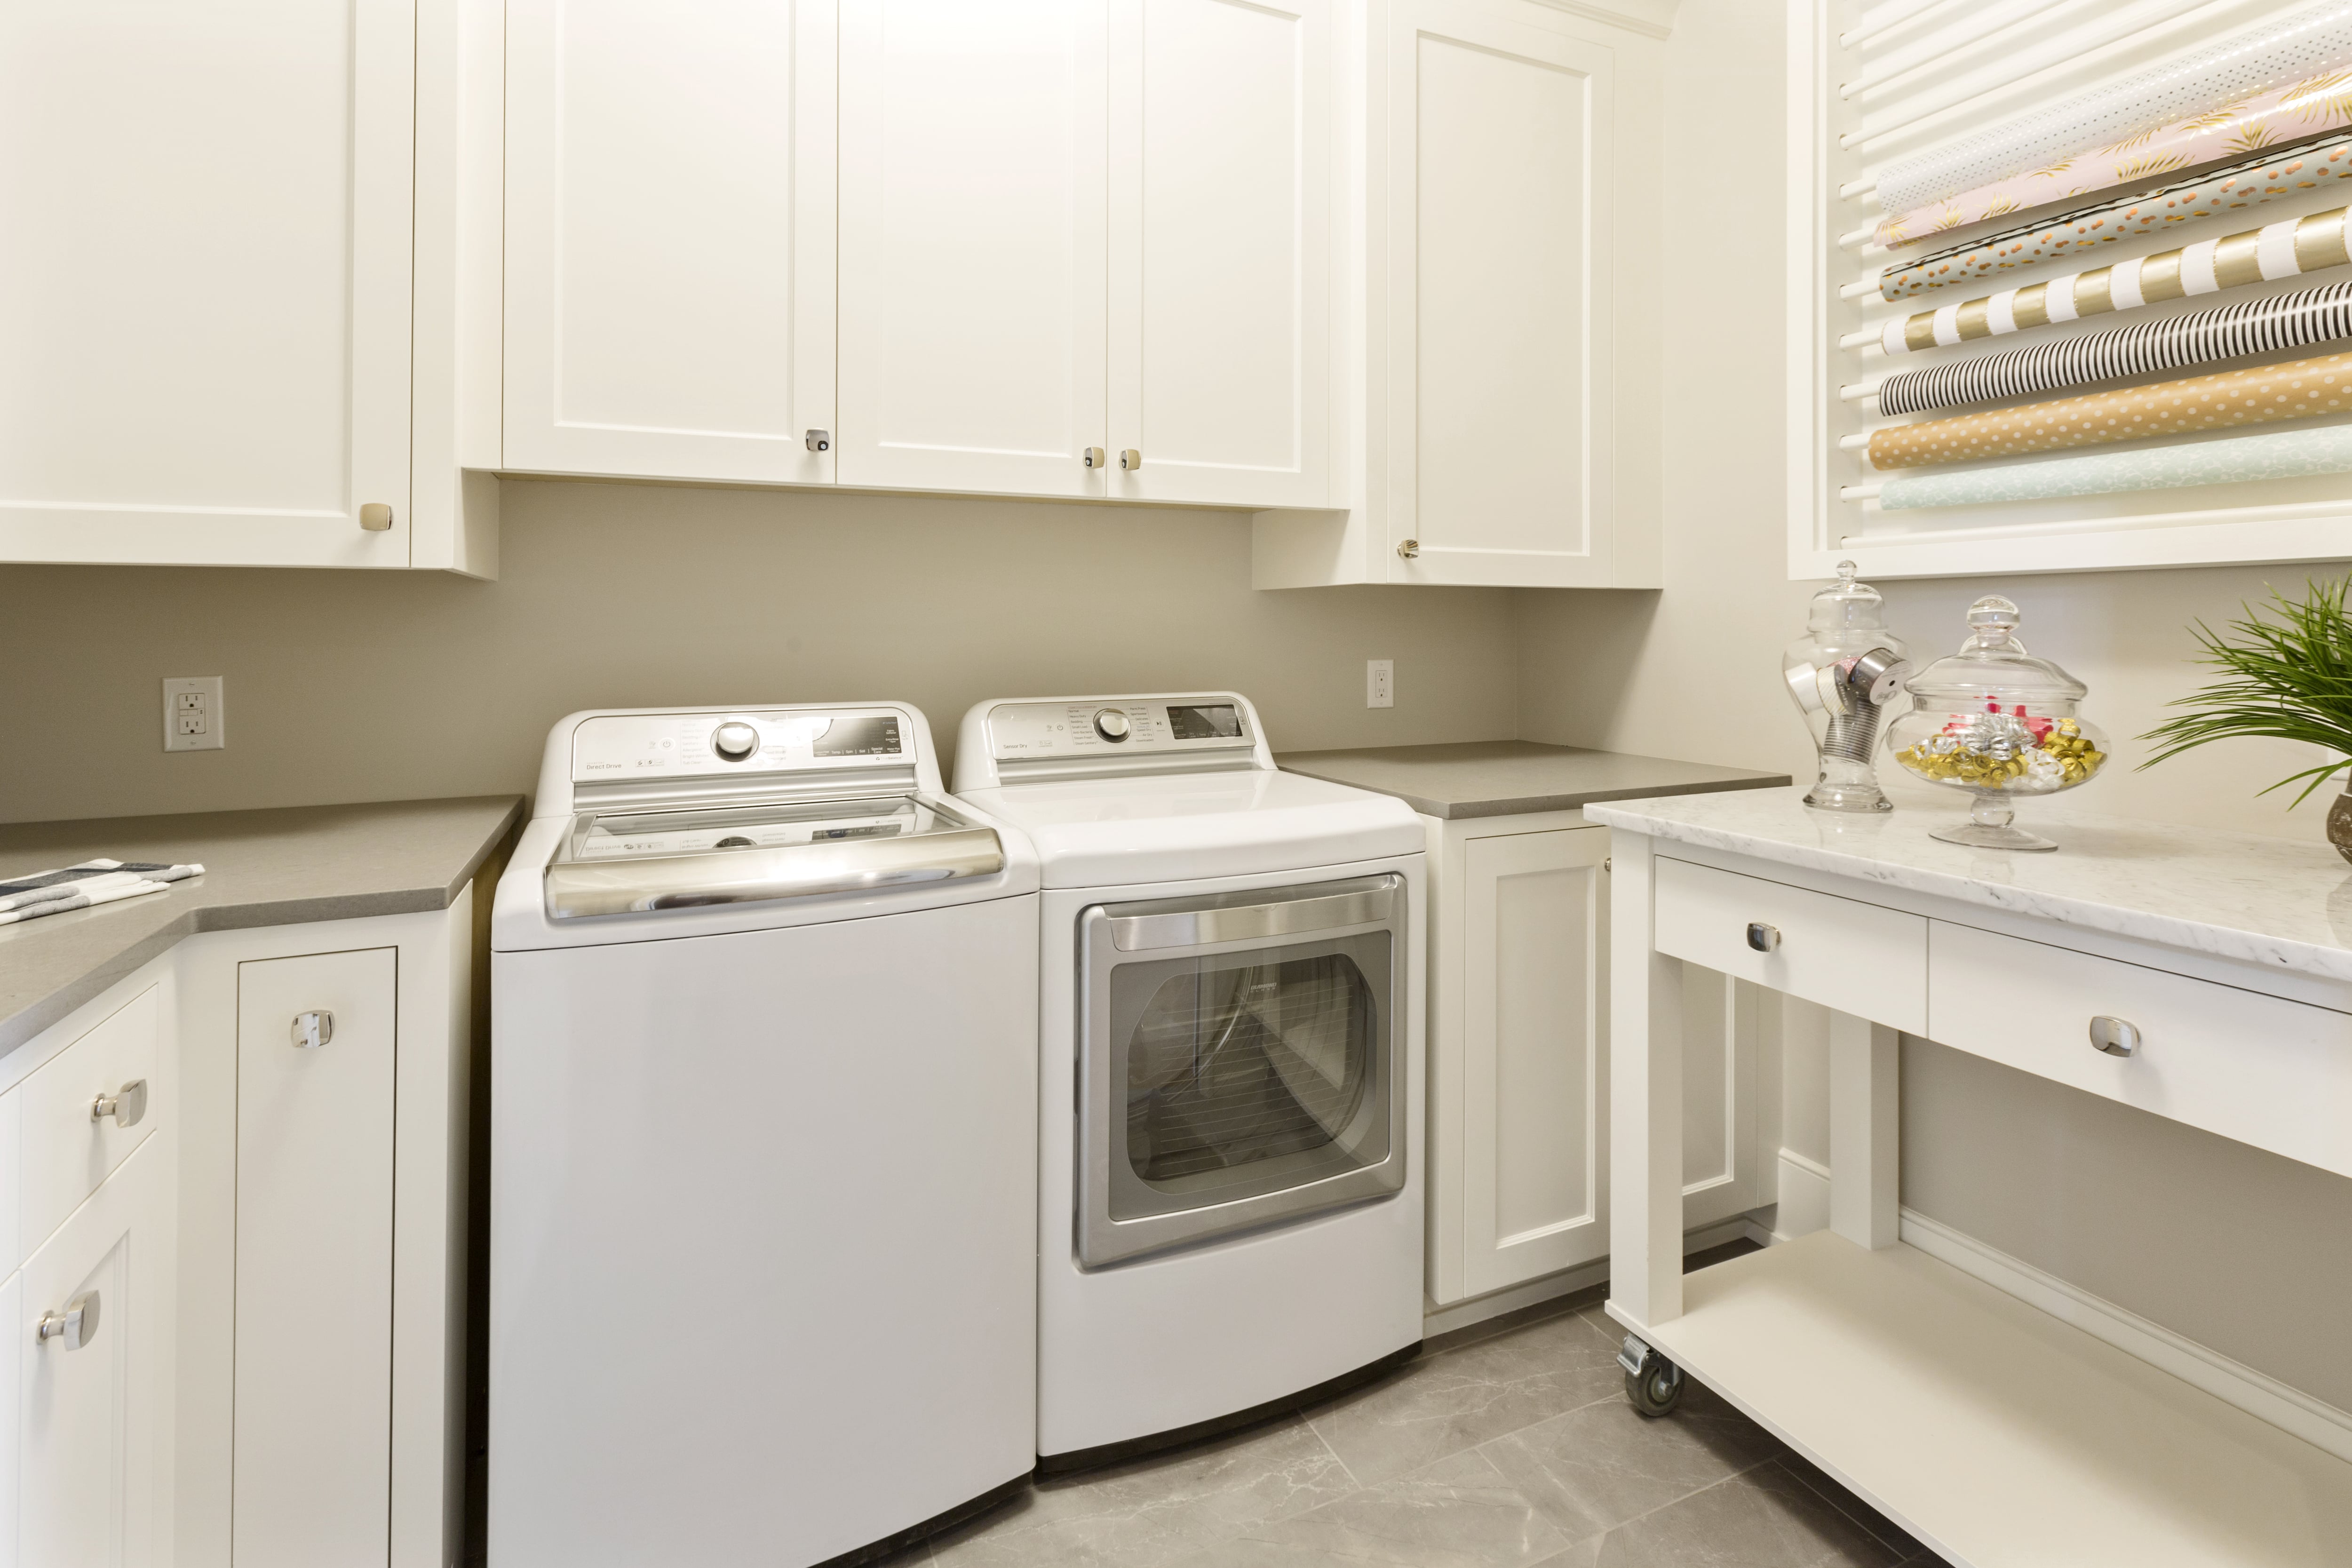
<point>261,868</point>
<point>1504,778</point>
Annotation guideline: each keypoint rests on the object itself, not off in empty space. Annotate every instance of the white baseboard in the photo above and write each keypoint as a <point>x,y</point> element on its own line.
<point>1436,1321</point>
<point>1804,1197</point>
<point>2257,1394</point>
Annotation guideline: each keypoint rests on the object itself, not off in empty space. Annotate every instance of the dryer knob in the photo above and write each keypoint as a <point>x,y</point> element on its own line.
<point>1111,725</point>
<point>734,740</point>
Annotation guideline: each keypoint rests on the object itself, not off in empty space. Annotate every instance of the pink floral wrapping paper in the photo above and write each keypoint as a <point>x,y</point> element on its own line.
<point>2294,112</point>
<point>2127,218</point>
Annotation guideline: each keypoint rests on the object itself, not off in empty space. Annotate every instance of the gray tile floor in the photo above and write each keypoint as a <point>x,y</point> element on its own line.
<point>1504,1444</point>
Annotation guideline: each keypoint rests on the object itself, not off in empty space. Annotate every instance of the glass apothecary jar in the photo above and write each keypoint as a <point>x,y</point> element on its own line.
<point>2000,723</point>
<point>1845,673</point>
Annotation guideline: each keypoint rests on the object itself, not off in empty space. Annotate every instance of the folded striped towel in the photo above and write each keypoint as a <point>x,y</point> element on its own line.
<point>80,886</point>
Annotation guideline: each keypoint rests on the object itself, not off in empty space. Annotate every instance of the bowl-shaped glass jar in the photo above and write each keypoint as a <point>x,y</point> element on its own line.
<point>2000,723</point>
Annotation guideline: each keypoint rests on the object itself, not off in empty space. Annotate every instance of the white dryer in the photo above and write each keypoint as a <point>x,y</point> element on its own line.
<point>763,1145</point>
<point>1230,1068</point>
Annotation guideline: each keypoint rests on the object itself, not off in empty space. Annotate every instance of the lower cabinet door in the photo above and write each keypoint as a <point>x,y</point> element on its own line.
<point>1535,1105</point>
<point>91,1319</point>
<point>314,1166</point>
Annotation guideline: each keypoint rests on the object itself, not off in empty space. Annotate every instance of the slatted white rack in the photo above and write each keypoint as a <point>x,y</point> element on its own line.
<point>1872,84</point>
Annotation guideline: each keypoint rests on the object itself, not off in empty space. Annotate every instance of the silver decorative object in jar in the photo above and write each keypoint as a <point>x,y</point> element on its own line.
<point>1844,675</point>
<point>1998,722</point>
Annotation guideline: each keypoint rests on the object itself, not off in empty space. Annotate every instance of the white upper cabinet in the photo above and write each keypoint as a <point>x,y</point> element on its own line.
<point>205,278</point>
<point>1220,268</point>
<point>669,265</point>
<point>972,237</point>
<point>1511,420</point>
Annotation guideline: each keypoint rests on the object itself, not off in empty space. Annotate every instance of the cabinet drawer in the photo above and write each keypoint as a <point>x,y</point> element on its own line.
<point>66,1150</point>
<point>2260,1070</point>
<point>1841,952</point>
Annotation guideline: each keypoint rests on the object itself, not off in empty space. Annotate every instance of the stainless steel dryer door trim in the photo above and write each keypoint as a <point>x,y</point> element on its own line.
<point>1098,1238</point>
<point>1200,927</point>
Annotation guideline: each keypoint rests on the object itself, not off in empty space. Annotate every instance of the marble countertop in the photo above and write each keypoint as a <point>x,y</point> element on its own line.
<point>1504,778</point>
<point>2283,903</point>
<point>261,868</point>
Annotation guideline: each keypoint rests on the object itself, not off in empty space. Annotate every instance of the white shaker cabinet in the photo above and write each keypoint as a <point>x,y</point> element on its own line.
<point>1510,397</point>
<point>1518,1059</point>
<point>974,141</point>
<point>1220,131</point>
<point>204,281</point>
<point>669,263</point>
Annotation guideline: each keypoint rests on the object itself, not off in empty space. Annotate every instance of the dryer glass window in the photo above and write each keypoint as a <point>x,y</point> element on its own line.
<point>1239,1060</point>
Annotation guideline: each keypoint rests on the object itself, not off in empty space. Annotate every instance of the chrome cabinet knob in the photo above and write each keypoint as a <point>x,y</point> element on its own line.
<point>1763,938</point>
<point>1130,460</point>
<point>820,441</point>
<point>1409,548</point>
<point>2114,1035</point>
<point>1096,456</point>
<point>76,1326</point>
<point>127,1105</point>
<point>313,1029</point>
<point>734,741</point>
<point>375,516</point>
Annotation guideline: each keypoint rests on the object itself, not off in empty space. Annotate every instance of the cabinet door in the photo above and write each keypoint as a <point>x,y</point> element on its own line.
<point>972,233</point>
<point>1220,268</point>
<point>1535,1098</point>
<point>204,280</point>
<point>670,237</point>
<point>92,1399</point>
<point>1500,151</point>
<point>312,1451</point>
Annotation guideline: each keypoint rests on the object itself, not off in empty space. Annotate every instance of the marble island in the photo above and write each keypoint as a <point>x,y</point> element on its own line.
<point>2283,903</point>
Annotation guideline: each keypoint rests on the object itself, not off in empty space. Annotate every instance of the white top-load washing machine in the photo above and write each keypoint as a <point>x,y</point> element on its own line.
<point>1229,1187</point>
<point>763,1145</point>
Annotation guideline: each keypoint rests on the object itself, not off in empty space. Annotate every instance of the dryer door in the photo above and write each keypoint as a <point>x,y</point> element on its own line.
<point>1239,1062</point>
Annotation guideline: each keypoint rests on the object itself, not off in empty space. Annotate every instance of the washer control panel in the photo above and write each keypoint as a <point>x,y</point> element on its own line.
<point>1030,731</point>
<point>611,746</point>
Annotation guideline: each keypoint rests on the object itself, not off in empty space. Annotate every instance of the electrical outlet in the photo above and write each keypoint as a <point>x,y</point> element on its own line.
<point>192,713</point>
<point>1380,683</point>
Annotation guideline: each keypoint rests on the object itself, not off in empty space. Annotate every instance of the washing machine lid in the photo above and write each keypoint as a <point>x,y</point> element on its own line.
<point>1120,832</point>
<point>617,862</point>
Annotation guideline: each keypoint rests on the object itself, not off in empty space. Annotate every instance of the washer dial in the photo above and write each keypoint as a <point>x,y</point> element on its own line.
<point>1111,725</point>
<point>734,740</point>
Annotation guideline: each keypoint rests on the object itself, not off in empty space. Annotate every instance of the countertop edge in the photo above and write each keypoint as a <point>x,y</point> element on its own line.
<point>30,1022</point>
<point>1530,804</point>
<point>2192,936</point>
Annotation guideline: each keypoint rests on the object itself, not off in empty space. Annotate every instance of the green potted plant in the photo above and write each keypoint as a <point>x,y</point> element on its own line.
<point>2287,672</point>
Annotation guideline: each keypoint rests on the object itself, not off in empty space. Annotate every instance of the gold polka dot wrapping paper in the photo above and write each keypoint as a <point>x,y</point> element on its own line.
<point>2233,398</point>
<point>2263,394</point>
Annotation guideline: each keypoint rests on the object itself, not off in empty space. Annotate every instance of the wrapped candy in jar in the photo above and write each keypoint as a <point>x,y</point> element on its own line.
<point>1995,720</point>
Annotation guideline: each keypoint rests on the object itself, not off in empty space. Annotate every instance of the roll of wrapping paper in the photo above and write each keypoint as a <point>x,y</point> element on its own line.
<point>2263,394</point>
<point>2269,121</point>
<point>2257,326</point>
<point>2303,43</point>
<point>2242,460</point>
<point>2284,249</point>
<point>2247,183</point>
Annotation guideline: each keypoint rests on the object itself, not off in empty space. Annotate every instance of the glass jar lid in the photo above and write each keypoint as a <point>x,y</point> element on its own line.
<point>1847,606</point>
<point>1993,666</point>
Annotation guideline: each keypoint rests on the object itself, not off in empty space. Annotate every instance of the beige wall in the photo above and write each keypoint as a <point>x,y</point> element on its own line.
<point>2167,1221</point>
<point>356,686</point>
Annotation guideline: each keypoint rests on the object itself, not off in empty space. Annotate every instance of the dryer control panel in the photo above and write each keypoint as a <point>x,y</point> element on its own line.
<point>1020,730</point>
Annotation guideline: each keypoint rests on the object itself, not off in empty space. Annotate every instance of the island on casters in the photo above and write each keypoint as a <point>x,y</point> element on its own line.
<point>2195,976</point>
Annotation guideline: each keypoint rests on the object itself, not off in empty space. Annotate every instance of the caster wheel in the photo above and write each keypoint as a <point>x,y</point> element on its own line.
<point>1657,1388</point>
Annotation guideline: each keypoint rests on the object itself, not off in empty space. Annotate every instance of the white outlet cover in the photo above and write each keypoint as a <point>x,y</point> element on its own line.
<point>1380,683</point>
<point>193,720</point>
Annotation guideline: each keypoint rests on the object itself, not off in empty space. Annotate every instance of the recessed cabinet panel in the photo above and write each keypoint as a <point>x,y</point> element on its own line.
<point>1532,1085</point>
<point>973,246</point>
<point>1220,269</point>
<point>91,1387</point>
<point>1501,150</point>
<point>314,1172</point>
<point>205,282</point>
<point>670,237</point>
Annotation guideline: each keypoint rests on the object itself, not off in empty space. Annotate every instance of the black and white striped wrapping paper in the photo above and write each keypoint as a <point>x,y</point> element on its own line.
<point>2257,326</point>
